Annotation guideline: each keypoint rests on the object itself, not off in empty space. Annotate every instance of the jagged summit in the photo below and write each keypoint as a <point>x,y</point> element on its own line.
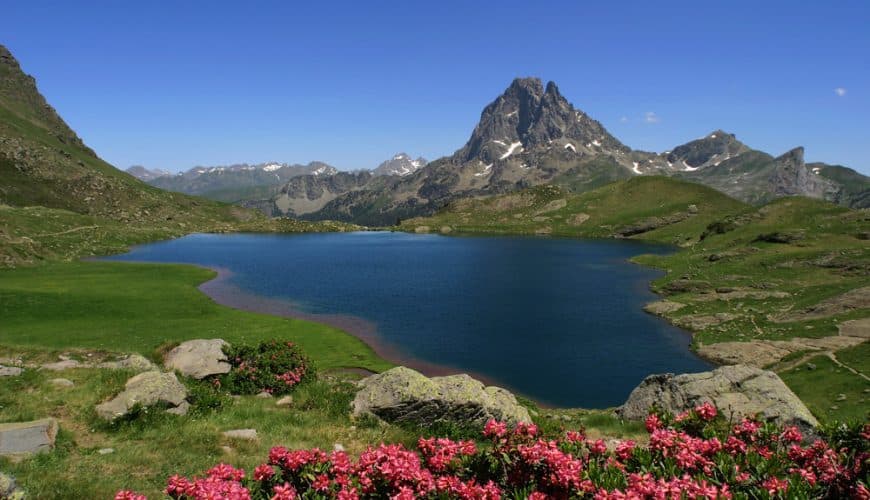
<point>400,164</point>
<point>528,115</point>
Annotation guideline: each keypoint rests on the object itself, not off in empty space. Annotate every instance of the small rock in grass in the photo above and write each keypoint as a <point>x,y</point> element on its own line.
<point>105,451</point>
<point>179,410</point>
<point>61,365</point>
<point>61,382</point>
<point>841,397</point>
<point>10,371</point>
<point>337,447</point>
<point>226,449</point>
<point>285,401</point>
<point>811,366</point>
<point>264,395</point>
<point>246,434</point>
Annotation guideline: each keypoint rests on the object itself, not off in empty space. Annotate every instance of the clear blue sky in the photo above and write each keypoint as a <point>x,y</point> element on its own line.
<point>177,84</point>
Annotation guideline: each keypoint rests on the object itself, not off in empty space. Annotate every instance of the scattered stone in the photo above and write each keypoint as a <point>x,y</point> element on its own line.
<point>552,206</point>
<point>263,395</point>
<point>578,219</point>
<point>841,397</point>
<point>404,395</point>
<point>245,434</point>
<point>61,382</point>
<point>662,307</point>
<point>105,451</point>
<point>135,362</point>
<point>855,328</point>
<point>421,229</point>
<point>198,358</point>
<point>337,447</point>
<point>544,230</point>
<point>566,418</point>
<point>835,407</point>
<point>226,449</point>
<point>64,364</point>
<point>285,401</point>
<point>179,410</point>
<point>858,298</point>
<point>737,391</point>
<point>697,322</point>
<point>22,439</point>
<point>446,229</point>
<point>693,209</point>
<point>9,489</point>
<point>811,366</point>
<point>761,353</point>
<point>10,371</point>
<point>145,389</point>
<point>540,218</point>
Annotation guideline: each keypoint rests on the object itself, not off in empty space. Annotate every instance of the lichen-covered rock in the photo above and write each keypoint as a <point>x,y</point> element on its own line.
<point>145,389</point>
<point>198,358</point>
<point>9,489</point>
<point>738,391</point>
<point>135,362</point>
<point>404,395</point>
<point>19,439</point>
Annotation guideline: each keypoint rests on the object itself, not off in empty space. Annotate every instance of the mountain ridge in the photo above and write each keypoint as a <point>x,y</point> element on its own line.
<point>531,135</point>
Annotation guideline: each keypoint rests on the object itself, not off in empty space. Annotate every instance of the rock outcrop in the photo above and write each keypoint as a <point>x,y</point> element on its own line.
<point>738,391</point>
<point>404,395</point>
<point>21,439</point>
<point>761,353</point>
<point>145,389</point>
<point>198,358</point>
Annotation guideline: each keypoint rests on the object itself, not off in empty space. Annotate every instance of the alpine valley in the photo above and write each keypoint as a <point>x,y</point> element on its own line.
<point>124,379</point>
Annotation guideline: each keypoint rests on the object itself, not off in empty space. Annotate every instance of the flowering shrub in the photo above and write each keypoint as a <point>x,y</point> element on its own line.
<point>274,366</point>
<point>692,455</point>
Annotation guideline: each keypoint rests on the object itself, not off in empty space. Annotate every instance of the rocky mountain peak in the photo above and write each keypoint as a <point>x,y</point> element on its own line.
<point>529,116</point>
<point>793,156</point>
<point>712,149</point>
<point>400,164</point>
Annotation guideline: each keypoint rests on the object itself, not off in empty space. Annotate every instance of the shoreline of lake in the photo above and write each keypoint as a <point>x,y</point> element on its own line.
<point>226,294</point>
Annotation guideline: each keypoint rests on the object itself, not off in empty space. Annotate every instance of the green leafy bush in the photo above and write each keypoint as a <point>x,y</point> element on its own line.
<point>274,366</point>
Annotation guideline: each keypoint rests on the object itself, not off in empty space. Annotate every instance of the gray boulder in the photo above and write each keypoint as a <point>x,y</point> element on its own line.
<point>737,391</point>
<point>404,395</point>
<point>198,358</point>
<point>21,439</point>
<point>145,389</point>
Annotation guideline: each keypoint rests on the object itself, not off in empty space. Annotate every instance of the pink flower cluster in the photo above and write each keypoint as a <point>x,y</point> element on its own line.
<point>292,377</point>
<point>693,455</point>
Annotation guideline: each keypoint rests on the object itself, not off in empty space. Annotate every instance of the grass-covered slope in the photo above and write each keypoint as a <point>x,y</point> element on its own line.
<point>653,208</point>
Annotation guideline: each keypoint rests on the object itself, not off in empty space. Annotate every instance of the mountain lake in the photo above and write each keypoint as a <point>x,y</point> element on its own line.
<point>555,320</point>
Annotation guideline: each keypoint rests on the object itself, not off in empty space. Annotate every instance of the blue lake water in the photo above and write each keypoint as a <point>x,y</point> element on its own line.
<point>557,320</point>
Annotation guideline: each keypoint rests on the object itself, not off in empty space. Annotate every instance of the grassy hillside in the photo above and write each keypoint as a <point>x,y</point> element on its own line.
<point>745,280</point>
<point>653,208</point>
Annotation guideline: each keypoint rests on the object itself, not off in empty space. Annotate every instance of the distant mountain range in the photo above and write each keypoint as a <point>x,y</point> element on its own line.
<point>532,135</point>
<point>241,182</point>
